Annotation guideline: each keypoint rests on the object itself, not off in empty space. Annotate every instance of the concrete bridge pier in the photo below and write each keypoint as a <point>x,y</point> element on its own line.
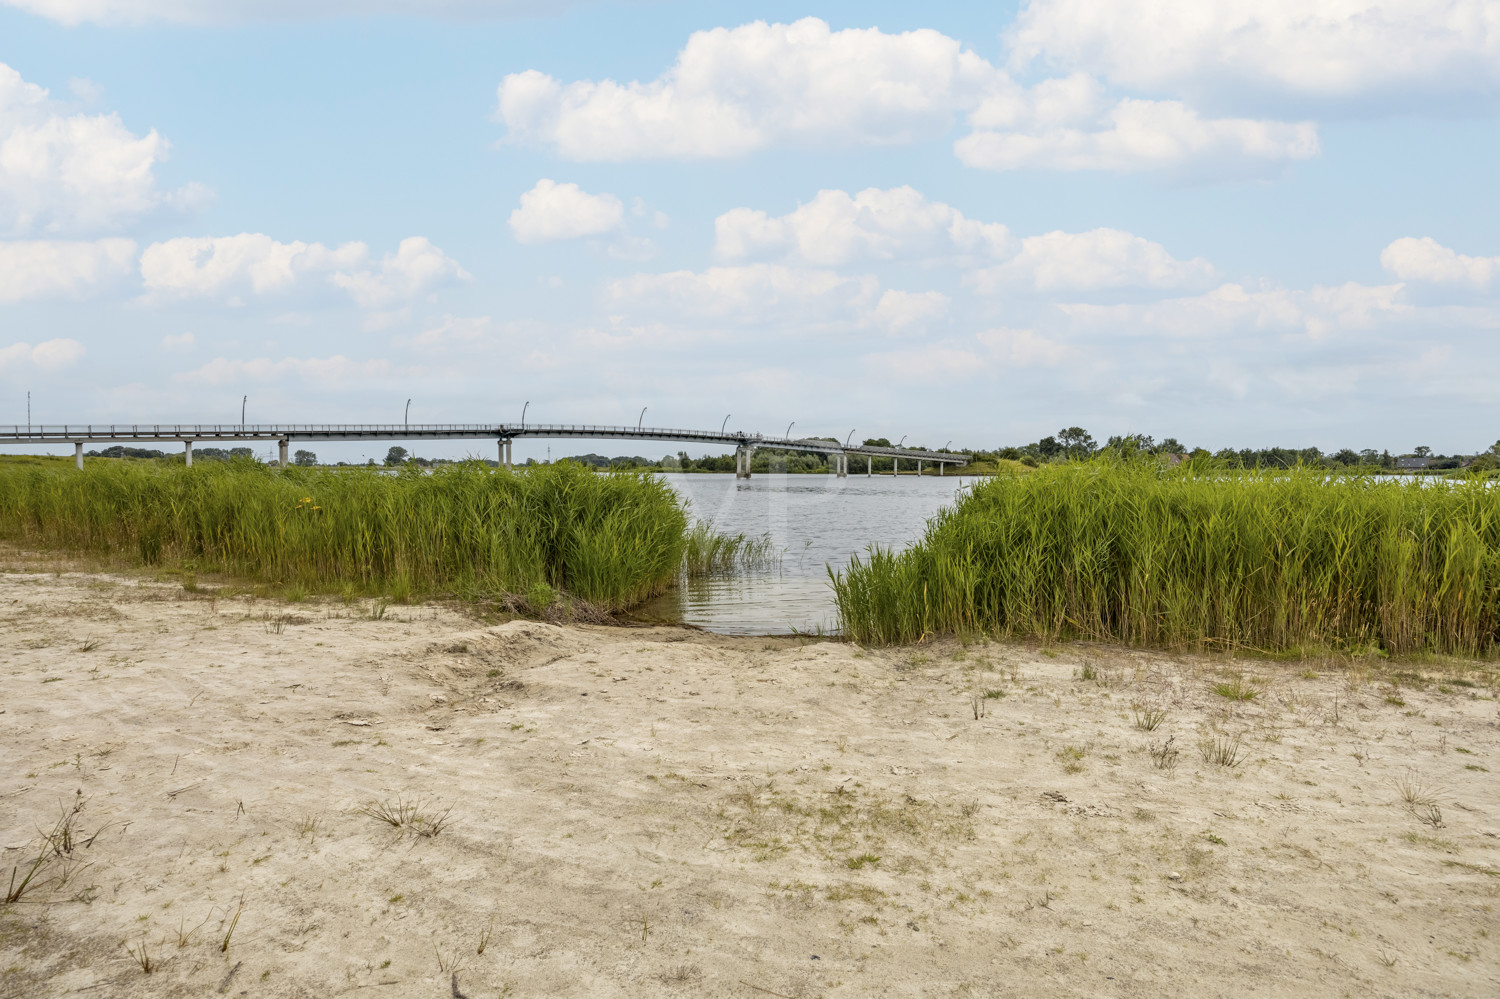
<point>78,454</point>
<point>187,453</point>
<point>895,465</point>
<point>281,448</point>
<point>869,465</point>
<point>742,456</point>
<point>505,453</point>
<point>919,466</point>
<point>941,465</point>
<point>841,465</point>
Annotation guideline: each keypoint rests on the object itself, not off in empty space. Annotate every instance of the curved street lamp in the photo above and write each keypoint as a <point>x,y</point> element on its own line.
<point>243,400</point>
<point>724,424</point>
<point>642,418</point>
<point>789,427</point>
<point>406,418</point>
<point>850,437</point>
<point>523,414</point>
<point>901,441</point>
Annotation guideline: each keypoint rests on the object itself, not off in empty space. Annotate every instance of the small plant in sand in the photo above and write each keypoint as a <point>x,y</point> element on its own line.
<point>1071,758</point>
<point>1164,754</point>
<point>141,954</point>
<point>309,826</point>
<point>1147,717</point>
<point>1237,688</point>
<point>408,816</point>
<point>1420,799</point>
<point>977,704</point>
<point>1222,750</point>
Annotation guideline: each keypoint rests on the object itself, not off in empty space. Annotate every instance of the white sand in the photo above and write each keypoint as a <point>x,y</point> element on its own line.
<point>661,813</point>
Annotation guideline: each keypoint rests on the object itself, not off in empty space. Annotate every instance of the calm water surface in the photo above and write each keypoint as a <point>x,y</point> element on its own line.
<point>814,521</point>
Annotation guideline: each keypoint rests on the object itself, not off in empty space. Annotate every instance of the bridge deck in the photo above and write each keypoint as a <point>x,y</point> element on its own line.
<point>72,433</point>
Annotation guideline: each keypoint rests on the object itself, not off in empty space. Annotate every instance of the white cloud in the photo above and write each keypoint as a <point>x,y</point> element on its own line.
<point>837,228</point>
<point>321,370</point>
<point>984,354</point>
<point>73,12</point>
<point>180,341</point>
<point>1091,261</point>
<point>1232,309</point>
<point>453,331</point>
<point>254,264</point>
<point>735,90</point>
<point>49,355</point>
<point>1428,261</point>
<point>753,293</point>
<point>61,268</point>
<point>1024,348</point>
<point>551,211</point>
<point>1073,123</point>
<point>1133,135</point>
<point>415,269</point>
<point>1328,49</point>
<point>899,311</point>
<point>68,173</point>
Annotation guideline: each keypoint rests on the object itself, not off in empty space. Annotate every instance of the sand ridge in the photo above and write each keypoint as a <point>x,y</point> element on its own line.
<point>641,812</point>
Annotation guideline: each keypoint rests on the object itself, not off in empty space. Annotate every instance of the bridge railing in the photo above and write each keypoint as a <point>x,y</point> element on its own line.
<point>397,431</point>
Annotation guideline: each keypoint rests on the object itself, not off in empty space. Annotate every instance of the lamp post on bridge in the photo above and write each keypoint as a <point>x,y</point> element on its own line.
<point>642,418</point>
<point>406,417</point>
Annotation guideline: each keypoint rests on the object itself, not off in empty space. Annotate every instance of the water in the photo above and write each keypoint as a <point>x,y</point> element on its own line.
<point>814,521</point>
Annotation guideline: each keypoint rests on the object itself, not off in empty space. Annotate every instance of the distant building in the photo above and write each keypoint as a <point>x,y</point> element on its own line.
<point>1412,464</point>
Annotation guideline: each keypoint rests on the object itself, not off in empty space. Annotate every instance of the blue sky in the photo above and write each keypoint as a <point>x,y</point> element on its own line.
<point>1250,224</point>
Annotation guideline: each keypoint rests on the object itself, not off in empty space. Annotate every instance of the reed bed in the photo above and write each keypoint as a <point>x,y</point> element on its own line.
<point>709,553</point>
<point>1272,561</point>
<point>612,539</point>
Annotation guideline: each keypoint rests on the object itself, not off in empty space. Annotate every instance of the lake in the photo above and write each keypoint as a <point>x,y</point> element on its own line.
<point>814,521</point>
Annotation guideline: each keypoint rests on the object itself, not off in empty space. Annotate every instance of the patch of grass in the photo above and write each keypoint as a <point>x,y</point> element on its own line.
<point>1237,688</point>
<point>408,816</point>
<point>1071,758</point>
<point>1147,717</point>
<point>1205,555</point>
<point>856,863</point>
<point>845,822</point>
<point>610,539</point>
<point>1222,750</point>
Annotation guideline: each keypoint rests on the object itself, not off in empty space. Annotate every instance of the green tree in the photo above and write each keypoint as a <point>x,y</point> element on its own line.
<point>1078,442</point>
<point>305,458</point>
<point>396,455</point>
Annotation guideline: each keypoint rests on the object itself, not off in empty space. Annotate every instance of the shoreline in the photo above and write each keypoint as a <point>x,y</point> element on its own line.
<point>656,811</point>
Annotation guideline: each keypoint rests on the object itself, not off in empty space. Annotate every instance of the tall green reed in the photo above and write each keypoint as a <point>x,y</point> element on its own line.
<point>1195,558</point>
<point>612,539</point>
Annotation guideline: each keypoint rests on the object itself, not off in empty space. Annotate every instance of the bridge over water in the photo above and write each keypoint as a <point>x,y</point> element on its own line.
<point>745,444</point>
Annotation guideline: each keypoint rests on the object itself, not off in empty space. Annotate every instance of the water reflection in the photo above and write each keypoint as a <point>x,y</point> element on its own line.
<point>814,521</point>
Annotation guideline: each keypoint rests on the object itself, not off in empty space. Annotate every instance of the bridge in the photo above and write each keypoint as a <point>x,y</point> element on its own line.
<point>745,444</point>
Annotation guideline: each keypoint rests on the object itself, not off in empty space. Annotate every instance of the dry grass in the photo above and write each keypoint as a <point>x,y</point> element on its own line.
<point>408,816</point>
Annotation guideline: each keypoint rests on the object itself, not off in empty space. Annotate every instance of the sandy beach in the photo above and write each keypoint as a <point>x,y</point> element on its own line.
<point>266,799</point>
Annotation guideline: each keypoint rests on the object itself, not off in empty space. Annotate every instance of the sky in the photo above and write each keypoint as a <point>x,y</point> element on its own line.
<point>1240,223</point>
